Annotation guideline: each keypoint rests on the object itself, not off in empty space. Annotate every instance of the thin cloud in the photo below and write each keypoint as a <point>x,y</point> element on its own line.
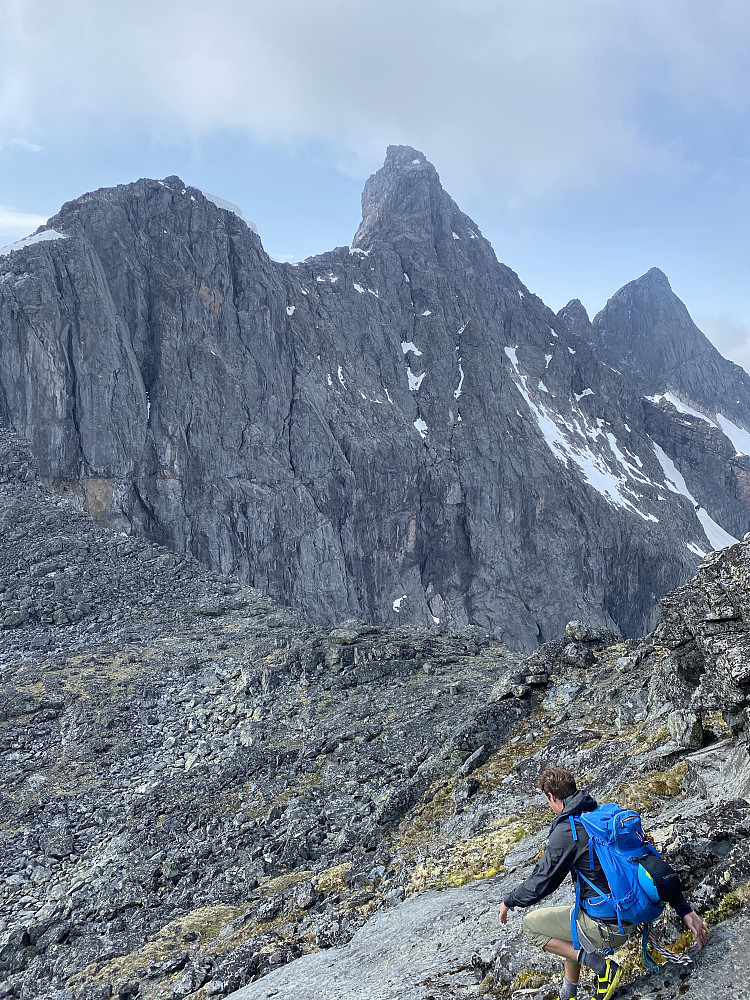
<point>529,99</point>
<point>25,145</point>
<point>14,225</point>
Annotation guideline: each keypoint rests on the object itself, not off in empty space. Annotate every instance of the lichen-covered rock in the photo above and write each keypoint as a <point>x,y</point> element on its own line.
<point>581,632</point>
<point>685,728</point>
<point>576,654</point>
<point>57,841</point>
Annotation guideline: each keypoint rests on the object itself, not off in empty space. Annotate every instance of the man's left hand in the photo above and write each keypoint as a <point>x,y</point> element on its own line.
<point>694,923</point>
<point>504,911</point>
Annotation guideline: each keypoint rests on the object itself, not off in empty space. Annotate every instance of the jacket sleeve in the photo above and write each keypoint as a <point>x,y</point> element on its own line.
<point>550,870</point>
<point>667,883</point>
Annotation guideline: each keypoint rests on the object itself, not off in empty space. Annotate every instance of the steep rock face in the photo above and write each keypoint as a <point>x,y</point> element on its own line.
<point>648,331</point>
<point>706,625</point>
<point>696,403</point>
<point>575,319</point>
<point>716,475</point>
<point>399,431</point>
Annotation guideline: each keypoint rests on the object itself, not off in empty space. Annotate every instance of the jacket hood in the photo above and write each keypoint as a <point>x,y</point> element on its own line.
<point>575,804</point>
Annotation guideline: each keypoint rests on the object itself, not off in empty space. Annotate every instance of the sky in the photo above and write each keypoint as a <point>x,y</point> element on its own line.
<point>589,139</point>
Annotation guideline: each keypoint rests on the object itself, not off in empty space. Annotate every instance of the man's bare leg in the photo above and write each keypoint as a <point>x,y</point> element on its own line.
<point>565,949</point>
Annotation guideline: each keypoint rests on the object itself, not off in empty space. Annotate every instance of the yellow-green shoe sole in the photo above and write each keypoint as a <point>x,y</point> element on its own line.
<point>610,989</point>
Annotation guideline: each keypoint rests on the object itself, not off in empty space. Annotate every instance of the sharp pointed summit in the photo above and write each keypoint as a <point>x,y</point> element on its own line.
<point>646,330</point>
<point>404,204</point>
<point>575,319</point>
<point>645,326</point>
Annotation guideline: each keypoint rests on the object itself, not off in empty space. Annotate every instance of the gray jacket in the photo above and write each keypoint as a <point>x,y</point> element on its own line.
<point>561,855</point>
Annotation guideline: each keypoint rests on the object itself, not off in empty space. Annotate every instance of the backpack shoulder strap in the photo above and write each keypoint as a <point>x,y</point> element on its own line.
<point>578,876</point>
<point>579,819</point>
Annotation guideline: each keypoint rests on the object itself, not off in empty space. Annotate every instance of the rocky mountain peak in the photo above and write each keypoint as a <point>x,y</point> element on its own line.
<point>148,208</point>
<point>575,319</point>
<point>647,312</point>
<point>404,203</point>
<point>646,330</point>
<point>653,278</point>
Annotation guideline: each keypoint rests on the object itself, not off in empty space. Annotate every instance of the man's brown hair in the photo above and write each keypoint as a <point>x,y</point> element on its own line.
<point>558,782</point>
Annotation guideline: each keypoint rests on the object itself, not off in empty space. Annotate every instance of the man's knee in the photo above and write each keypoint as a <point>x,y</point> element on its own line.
<point>532,933</point>
<point>547,922</point>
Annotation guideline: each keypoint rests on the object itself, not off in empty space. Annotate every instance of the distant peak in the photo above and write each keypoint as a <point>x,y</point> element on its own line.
<point>575,319</point>
<point>575,305</point>
<point>650,294</point>
<point>653,276</point>
<point>405,202</point>
<point>648,330</point>
<point>654,283</point>
<point>405,156</point>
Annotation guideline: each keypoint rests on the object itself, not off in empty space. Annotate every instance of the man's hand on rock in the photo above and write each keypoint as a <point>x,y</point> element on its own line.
<point>505,910</point>
<point>694,924</point>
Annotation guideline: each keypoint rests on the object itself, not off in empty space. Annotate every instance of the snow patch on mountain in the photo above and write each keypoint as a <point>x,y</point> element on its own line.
<point>457,390</point>
<point>414,380</point>
<point>680,406</point>
<point>674,480</point>
<point>409,345</point>
<point>739,437</point>
<point>28,241</point>
<point>696,549</point>
<point>570,445</point>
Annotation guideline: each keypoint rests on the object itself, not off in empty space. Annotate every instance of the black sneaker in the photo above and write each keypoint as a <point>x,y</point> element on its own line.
<point>606,984</point>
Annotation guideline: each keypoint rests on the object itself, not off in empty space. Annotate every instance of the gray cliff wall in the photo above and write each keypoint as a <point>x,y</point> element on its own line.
<point>647,332</point>
<point>399,432</point>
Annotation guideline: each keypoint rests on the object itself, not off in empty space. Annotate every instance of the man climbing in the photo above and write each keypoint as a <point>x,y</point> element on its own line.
<point>551,928</point>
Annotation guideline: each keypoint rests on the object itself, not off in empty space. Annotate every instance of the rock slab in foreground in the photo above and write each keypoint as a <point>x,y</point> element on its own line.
<point>423,948</point>
<point>419,949</point>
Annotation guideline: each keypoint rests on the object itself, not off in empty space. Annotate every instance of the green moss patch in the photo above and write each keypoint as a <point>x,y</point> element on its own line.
<point>436,806</point>
<point>206,922</point>
<point>645,792</point>
<point>526,981</point>
<point>501,763</point>
<point>730,905</point>
<point>480,857</point>
<point>332,879</point>
<point>281,882</point>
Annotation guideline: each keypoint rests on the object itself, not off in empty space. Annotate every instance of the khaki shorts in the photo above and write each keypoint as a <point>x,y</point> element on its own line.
<point>554,922</point>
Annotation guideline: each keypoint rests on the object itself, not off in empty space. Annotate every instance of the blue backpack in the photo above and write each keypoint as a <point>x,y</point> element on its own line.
<point>618,839</point>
